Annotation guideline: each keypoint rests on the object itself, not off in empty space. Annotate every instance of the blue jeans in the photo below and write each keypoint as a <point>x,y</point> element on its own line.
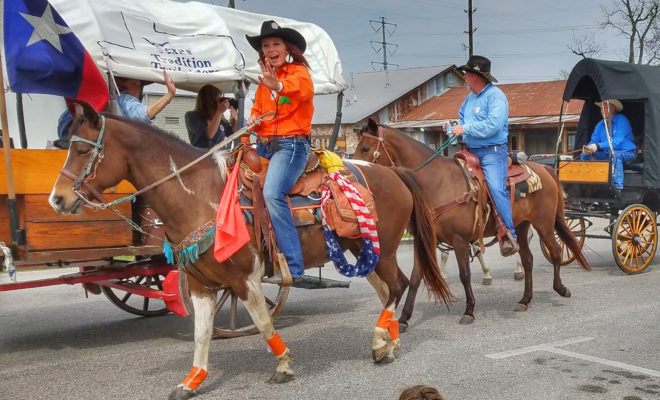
<point>285,167</point>
<point>493,162</point>
<point>619,158</point>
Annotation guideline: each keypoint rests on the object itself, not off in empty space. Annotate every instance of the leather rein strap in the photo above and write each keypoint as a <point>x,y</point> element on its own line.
<point>380,142</point>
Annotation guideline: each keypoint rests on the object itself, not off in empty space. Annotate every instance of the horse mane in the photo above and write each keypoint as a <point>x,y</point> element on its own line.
<point>418,145</point>
<point>173,141</point>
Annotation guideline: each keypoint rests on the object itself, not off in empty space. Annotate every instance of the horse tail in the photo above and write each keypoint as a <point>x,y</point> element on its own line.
<point>421,227</point>
<point>564,233</point>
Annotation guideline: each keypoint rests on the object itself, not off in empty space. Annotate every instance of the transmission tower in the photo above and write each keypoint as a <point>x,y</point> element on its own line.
<point>384,26</point>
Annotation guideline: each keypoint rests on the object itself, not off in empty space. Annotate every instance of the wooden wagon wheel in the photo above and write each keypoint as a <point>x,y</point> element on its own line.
<point>578,227</point>
<point>634,238</point>
<point>136,304</point>
<point>229,324</point>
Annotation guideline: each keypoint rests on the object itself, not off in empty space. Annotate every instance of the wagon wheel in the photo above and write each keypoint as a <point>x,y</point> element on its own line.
<point>136,304</point>
<point>234,320</point>
<point>578,227</point>
<point>634,239</point>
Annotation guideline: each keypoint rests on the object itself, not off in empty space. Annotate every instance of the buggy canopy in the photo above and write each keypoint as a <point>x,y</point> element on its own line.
<point>196,43</point>
<point>637,87</point>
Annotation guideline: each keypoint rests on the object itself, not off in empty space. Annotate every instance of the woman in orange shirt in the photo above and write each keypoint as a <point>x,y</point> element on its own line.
<point>286,88</point>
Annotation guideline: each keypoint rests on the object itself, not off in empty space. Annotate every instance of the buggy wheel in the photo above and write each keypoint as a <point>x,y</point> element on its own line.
<point>578,227</point>
<point>136,304</point>
<point>634,238</point>
<point>232,320</point>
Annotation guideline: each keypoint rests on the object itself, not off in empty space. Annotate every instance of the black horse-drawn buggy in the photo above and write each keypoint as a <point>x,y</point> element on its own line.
<point>631,212</point>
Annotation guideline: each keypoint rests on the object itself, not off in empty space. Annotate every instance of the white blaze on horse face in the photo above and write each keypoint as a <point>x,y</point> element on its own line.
<point>204,305</point>
<point>68,196</point>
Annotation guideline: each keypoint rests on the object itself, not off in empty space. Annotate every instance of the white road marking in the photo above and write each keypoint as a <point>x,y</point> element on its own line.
<point>553,348</point>
<point>540,347</point>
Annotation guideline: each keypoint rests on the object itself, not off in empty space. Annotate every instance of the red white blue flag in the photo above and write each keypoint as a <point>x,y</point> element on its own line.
<point>45,56</point>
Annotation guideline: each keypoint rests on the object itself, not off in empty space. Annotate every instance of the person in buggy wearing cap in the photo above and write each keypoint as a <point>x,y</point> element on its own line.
<point>285,88</point>
<point>483,123</point>
<point>130,94</point>
<point>621,135</point>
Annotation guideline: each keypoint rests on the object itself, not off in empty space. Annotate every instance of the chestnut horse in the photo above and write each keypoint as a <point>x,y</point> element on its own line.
<point>444,181</point>
<point>142,155</point>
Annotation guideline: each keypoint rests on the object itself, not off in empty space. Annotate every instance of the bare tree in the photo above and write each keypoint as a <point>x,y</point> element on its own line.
<point>585,46</point>
<point>637,21</point>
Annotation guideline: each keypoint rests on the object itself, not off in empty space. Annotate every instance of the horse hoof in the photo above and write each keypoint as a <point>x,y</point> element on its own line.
<point>567,293</point>
<point>466,320</point>
<point>520,307</point>
<point>518,276</point>
<point>181,393</point>
<point>403,326</point>
<point>487,281</point>
<point>281,377</point>
<point>379,354</point>
<point>387,359</point>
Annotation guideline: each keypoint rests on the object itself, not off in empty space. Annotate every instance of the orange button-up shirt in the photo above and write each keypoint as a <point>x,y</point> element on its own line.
<point>293,117</point>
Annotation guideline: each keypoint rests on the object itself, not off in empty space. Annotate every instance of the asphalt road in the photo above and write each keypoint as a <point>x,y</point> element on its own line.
<point>602,343</point>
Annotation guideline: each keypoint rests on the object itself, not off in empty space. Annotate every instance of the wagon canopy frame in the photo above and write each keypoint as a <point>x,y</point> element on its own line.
<point>637,87</point>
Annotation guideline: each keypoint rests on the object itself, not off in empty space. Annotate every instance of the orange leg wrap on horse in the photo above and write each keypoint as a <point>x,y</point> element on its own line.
<point>195,378</point>
<point>394,329</point>
<point>385,318</point>
<point>276,344</point>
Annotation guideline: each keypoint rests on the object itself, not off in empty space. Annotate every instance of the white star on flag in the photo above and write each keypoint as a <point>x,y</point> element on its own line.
<point>45,28</point>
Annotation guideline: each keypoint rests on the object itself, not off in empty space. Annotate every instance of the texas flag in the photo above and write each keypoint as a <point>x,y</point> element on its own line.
<point>44,56</point>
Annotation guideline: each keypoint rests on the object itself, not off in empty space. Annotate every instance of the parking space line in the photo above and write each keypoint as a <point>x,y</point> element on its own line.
<point>553,348</point>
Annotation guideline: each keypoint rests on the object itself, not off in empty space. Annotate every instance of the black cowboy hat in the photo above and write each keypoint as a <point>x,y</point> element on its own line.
<point>272,29</point>
<point>479,65</point>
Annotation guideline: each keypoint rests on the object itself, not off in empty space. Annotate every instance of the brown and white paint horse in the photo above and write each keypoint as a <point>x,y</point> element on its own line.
<point>143,155</point>
<point>444,181</point>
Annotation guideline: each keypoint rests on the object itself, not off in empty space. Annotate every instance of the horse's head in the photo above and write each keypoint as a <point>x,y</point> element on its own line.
<point>87,170</point>
<point>372,146</point>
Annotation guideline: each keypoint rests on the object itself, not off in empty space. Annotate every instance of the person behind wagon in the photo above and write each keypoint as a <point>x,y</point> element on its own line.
<point>621,134</point>
<point>483,123</point>
<point>206,124</point>
<point>286,88</point>
<point>130,94</point>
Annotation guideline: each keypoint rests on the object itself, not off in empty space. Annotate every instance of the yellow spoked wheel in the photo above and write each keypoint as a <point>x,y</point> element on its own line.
<point>634,238</point>
<point>578,227</point>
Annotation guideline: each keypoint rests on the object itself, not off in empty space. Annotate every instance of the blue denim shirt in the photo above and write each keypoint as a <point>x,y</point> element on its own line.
<point>622,136</point>
<point>132,108</point>
<point>485,118</point>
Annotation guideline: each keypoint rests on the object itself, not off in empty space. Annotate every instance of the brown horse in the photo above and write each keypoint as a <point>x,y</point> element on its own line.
<point>142,155</point>
<point>444,181</point>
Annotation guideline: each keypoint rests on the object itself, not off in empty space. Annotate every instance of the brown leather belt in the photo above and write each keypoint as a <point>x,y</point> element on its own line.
<point>268,139</point>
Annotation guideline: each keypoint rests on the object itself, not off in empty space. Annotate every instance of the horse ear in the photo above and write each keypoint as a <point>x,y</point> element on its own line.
<point>82,108</point>
<point>372,126</point>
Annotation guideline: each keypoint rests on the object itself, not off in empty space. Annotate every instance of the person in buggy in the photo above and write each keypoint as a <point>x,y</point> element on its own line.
<point>621,135</point>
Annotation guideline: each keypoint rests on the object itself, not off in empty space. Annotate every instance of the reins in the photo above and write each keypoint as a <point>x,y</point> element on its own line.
<point>98,148</point>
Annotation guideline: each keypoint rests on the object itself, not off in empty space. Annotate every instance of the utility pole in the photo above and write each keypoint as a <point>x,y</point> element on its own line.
<point>470,31</point>
<point>383,44</point>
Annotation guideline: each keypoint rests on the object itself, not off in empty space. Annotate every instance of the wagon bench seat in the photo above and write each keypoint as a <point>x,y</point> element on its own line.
<point>35,172</point>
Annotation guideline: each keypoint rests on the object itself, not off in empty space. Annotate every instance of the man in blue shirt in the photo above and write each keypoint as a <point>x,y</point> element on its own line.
<point>130,93</point>
<point>622,139</point>
<point>484,119</point>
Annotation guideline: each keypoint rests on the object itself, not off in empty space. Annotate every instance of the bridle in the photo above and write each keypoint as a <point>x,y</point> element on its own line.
<point>89,171</point>
<point>380,142</point>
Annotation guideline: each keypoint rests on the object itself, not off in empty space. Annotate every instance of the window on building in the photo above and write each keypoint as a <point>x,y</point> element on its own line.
<point>571,140</point>
<point>171,120</point>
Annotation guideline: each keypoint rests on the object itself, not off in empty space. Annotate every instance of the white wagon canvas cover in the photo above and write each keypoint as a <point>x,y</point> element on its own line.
<point>196,43</point>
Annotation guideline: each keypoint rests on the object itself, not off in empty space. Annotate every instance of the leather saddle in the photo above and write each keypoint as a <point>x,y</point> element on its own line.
<point>253,165</point>
<point>515,173</point>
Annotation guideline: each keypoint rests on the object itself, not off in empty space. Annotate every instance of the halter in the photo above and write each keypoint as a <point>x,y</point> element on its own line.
<point>380,143</point>
<point>85,177</point>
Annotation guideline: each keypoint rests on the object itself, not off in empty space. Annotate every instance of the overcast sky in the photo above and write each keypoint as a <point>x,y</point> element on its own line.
<point>526,40</point>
